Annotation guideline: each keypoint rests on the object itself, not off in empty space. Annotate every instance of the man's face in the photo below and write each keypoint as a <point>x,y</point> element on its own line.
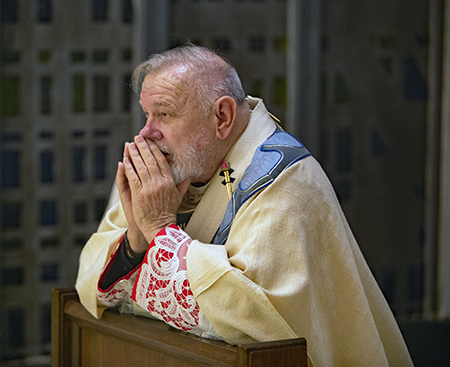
<point>177,125</point>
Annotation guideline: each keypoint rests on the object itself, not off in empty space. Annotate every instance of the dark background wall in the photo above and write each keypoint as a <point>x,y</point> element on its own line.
<point>66,109</point>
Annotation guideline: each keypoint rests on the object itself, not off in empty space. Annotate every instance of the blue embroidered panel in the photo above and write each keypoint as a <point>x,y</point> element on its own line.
<point>277,153</point>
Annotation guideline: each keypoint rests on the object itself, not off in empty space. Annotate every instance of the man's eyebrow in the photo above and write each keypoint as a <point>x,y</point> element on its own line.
<point>158,104</point>
<point>162,103</point>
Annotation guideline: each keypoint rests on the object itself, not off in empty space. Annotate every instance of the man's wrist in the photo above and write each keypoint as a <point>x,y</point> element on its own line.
<point>128,248</point>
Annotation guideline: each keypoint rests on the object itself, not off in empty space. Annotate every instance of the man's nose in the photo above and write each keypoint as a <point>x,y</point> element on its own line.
<point>150,130</point>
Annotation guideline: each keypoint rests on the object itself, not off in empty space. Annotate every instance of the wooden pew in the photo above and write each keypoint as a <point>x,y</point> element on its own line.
<point>79,339</point>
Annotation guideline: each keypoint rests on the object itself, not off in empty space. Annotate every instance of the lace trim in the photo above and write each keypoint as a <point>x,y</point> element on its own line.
<point>162,286</point>
<point>116,294</point>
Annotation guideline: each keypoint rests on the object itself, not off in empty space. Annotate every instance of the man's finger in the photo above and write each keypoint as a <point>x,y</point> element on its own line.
<point>146,154</point>
<point>133,178</point>
<point>160,159</point>
<point>183,186</point>
<point>140,167</point>
<point>126,154</point>
<point>121,178</point>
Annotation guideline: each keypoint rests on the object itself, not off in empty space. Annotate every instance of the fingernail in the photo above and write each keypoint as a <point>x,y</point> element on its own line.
<point>139,139</point>
<point>133,146</point>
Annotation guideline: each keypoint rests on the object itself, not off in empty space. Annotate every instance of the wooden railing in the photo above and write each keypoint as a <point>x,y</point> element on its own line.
<point>79,339</point>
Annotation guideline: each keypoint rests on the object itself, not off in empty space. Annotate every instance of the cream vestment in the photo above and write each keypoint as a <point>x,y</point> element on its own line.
<point>289,268</point>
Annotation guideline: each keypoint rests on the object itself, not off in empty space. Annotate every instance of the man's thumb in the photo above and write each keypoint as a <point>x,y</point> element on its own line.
<point>184,185</point>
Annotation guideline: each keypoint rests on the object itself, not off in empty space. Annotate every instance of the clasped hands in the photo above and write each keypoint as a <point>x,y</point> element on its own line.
<point>148,194</point>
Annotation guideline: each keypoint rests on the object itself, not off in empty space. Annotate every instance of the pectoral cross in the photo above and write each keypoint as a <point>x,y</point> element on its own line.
<point>226,171</point>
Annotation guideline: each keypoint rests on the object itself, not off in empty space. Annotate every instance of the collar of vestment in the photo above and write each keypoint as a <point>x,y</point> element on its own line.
<point>211,209</point>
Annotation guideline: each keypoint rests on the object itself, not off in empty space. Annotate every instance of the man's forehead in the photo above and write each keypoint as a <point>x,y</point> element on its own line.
<point>175,74</point>
<point>166,80</point>
<point>166,88</point>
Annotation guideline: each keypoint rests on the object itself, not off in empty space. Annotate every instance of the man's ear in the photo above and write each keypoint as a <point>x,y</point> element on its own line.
<point>225,113</point>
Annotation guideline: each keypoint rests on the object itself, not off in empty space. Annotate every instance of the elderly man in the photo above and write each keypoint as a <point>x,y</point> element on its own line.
<point>228,228</point>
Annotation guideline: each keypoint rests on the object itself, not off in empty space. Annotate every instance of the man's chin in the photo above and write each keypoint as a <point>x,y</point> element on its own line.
<point>178,177</point>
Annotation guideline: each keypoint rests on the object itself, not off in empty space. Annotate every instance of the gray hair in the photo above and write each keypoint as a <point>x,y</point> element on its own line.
<point>212,75</point>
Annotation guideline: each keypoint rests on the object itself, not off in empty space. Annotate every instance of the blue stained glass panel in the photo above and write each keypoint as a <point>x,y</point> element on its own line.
<point>11,216</point>
<point>12,275</point>
<point>10,168</point>
<point>47,166</point>
<point>78,157</point>
<point>15,327</point>
<point>48,213</point>
<point>100,162</point>
<point>50,272</point>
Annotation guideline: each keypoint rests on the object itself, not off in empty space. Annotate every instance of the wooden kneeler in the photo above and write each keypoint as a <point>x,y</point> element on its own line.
<point>79,339</point>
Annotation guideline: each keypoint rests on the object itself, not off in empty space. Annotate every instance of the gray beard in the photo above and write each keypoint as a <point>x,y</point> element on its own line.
<point>194,161</point>
<point>190,165</point>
